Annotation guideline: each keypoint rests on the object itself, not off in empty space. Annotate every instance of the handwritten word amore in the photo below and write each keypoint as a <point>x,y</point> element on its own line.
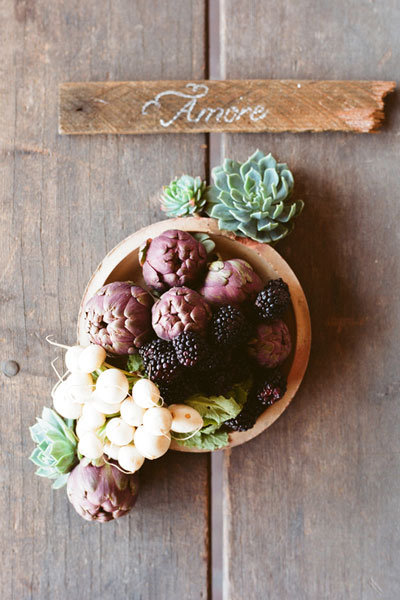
<point>188,110</point>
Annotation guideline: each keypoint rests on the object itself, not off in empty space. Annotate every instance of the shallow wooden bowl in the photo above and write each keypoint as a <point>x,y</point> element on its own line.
<point>122,264</point>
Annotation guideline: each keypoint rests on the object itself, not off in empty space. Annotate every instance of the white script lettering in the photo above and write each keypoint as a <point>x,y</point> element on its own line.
<point>195,92</point>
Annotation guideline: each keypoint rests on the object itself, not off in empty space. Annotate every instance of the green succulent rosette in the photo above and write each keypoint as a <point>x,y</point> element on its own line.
<point>56,452</point>
<point>183,196</point>
<point>252,199</point>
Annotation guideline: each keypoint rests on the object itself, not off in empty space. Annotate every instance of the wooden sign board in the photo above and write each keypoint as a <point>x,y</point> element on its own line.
<point>137,107</point>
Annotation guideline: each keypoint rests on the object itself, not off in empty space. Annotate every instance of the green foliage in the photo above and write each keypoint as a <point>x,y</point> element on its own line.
<point>134,363</point>
<point>56,452</point>
<point>215,410</point>
<point>252,199</point>
<point>183,196</point>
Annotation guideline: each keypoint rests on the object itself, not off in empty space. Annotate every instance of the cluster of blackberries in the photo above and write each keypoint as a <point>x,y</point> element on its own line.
<point>264,393</point>
<point>213,363</point>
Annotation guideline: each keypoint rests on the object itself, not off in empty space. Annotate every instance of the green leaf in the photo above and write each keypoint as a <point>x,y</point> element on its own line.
<point>270,178</point>
<point>211,441</point>
<point>228,224</point>
<point>245,168</point>
<point>257,156</point>
<point>231,166</point>
<point>235,183</point>
<point>207,242</point>
<point>211,194</point>
<point>254,175</point>
<point>134,363</point>
<point>60,481</point>
<point>219,211</point>
<point>221,180</point>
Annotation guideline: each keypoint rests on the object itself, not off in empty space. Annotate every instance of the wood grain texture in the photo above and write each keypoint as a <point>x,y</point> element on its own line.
<point>215,106</point>
<point>64,203</point>
<point>312,506</point>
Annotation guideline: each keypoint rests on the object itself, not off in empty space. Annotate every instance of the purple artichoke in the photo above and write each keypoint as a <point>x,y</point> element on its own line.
<point>230,282</point>
<point>180,309</point>
<point>172,259</point>
<point>272,344</point>
<point>118,317</point>
<point>101,493</point>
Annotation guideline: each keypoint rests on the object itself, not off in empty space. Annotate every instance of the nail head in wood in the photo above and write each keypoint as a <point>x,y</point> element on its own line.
<point>10,368</point>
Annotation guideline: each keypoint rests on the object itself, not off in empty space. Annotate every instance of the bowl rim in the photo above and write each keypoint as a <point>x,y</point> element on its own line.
<point>264,252</point>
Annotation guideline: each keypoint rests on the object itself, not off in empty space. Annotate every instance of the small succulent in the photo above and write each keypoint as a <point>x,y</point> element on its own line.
<point>252,199</point>
<point>118,317</point>
<point>56,451</point>
<point>271,344</point>
<point>101,493</point>
<point>180,309</point>
<point>172,259</point>
<point>230,282</point>
<point>183,196</point>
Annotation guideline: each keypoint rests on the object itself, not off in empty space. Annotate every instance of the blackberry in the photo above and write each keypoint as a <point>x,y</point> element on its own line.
<point>160,362</point>
<point>218,383</point>
<point>190,348</point>
<point>271,389</point>
<point>273,300</point>
<point>211,362</point>
<point>240,366</point>
<point>247,417</point>
<point>153,348</point>
<point>178,391</point>
<point>229,326</point>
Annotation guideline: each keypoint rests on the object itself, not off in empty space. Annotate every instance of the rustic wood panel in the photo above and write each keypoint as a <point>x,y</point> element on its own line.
<point>312,507</point>
<point>64,203</point>
<point>216,106</point>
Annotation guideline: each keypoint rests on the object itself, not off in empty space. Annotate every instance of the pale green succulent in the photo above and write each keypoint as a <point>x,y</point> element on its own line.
<point>56,451</point>
<point>183,196</point>
<point>252,199</point>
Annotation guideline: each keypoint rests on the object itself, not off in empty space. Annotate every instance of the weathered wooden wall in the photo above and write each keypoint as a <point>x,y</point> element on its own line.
<point>64,203</point>
<point>312,506</point>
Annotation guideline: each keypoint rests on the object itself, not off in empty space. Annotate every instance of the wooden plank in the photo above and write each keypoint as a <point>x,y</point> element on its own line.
<point>236,106</point>
<point>64,203</point>
<point>312,506</point>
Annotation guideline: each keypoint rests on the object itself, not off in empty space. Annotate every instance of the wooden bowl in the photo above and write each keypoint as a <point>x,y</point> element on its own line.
<point>122,264</point>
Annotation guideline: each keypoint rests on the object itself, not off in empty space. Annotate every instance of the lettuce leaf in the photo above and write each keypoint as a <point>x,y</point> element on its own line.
<point>215,410</point>
<point>134,363</point>
<point>205,441</point>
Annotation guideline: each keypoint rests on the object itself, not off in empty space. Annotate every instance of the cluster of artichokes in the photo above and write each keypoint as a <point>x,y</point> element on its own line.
<point>121,317</point>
